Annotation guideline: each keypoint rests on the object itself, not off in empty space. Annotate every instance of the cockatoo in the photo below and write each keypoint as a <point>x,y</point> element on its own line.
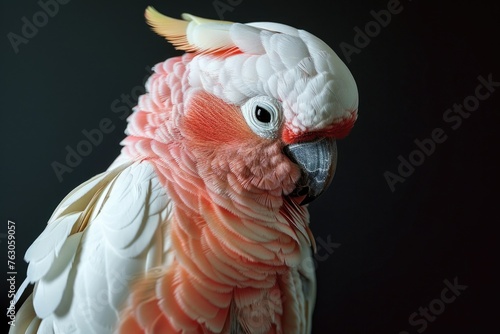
<point>201,224</point>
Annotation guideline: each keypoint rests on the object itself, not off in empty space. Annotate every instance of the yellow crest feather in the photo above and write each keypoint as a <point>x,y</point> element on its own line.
<point>193,33</point>
<point>173,30</point>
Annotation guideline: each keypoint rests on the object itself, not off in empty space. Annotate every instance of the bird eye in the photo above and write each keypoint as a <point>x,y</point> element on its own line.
<point>263,115</point>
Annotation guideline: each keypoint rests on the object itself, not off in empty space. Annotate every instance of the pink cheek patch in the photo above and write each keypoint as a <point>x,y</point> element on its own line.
<point>209,121</point>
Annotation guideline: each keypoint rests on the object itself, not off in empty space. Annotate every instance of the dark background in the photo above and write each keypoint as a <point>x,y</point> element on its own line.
<point>396,247</point>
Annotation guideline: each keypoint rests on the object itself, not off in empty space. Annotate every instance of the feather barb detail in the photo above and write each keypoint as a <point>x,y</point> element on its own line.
<point>193,33</point>
<point>173,30</point>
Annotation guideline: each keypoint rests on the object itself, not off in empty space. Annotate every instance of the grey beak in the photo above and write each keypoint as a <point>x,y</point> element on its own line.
<point>317,160</point>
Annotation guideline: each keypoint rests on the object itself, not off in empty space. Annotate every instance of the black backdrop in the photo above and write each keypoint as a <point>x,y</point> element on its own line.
<point>386,252</point>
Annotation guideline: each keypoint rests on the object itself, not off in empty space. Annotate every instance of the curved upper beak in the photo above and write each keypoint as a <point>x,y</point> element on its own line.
<point>317,160</point>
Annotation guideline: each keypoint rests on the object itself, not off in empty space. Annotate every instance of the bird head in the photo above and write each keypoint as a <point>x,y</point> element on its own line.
<point>258,108</point>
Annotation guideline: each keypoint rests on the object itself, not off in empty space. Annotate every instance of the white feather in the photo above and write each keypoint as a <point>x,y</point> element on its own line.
<point>82,278</point>
<point>247,39</point>
<point>290,49</point>
<point>51,287</point>
<point>52,238</point>
<point>78,198</point>
<point>46,327</point>
<point>209,36</point>
<point>26,321</point>
<point>275,27</point>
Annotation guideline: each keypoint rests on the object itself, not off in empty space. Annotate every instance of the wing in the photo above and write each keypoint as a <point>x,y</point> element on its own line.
<point>104,234</point>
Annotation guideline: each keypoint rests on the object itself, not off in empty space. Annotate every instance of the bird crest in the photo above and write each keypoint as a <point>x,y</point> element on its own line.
<point>193,33</point>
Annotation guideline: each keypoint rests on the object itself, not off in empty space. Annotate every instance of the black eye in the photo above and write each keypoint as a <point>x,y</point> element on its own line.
<point>262,114</point>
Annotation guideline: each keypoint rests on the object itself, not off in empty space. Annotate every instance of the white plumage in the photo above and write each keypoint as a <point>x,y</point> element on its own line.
<point>101,235</point>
